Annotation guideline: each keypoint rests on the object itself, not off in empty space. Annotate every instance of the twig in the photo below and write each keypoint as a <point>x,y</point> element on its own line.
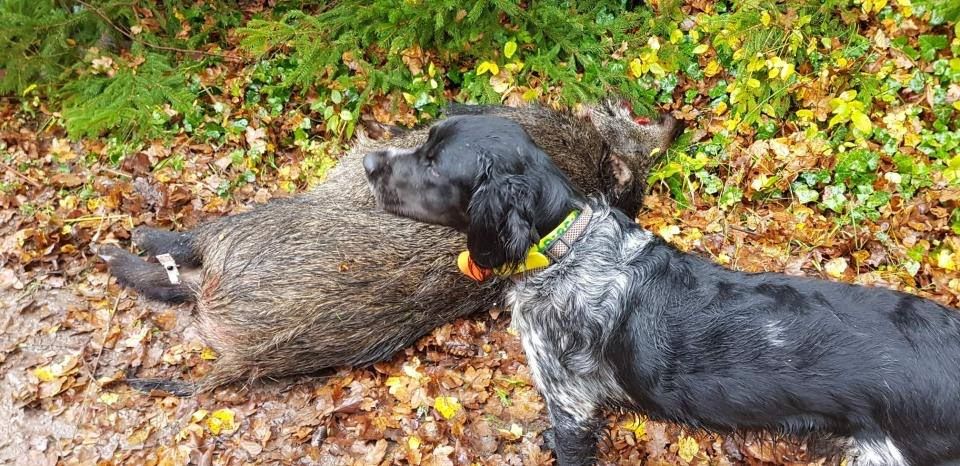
<point>21,175</point>
<point>742,230</point>
<point>130,36</point>
<point>116,172</point>
<point>91,218</point>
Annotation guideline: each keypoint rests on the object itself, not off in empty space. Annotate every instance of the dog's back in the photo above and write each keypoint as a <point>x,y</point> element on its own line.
<point>693,342</point>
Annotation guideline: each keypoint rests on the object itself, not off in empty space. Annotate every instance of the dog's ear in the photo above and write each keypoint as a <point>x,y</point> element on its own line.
<point>501,215</point>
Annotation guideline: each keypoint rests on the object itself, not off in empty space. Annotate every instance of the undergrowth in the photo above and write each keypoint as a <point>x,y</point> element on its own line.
<point>132,72</point>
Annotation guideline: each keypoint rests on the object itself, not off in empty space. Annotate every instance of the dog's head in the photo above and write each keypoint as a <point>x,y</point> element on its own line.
<point>479,174</point>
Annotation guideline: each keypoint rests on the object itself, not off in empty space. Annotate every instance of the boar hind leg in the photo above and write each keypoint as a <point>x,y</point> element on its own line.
<point>177,388</point>
<point>178,244</point>
<point>148,278</point>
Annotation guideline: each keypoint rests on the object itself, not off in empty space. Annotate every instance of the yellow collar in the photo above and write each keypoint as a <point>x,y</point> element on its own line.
<point>554,244</point>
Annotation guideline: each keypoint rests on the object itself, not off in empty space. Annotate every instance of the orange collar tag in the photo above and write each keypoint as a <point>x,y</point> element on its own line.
<point>470,268</point>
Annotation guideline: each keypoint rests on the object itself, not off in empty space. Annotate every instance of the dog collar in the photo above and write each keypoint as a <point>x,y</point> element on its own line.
<point>549,250</point>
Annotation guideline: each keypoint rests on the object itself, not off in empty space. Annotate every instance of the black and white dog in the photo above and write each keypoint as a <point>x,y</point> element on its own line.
<point>619,318</point>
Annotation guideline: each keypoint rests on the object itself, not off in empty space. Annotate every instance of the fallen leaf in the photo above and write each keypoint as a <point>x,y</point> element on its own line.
<point>221,420</point>
<point>687,448</point>
<point>447,406</point>
<point>836,267</point>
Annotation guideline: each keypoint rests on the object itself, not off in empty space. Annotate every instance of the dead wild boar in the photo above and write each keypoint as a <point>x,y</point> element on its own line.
<point>324,279</point>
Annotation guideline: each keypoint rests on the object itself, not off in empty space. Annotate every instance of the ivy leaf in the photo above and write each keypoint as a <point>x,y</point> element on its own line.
<point>930,44</point>
<point>804,193</point>
<point>730,197</point>
<point>833,197</point>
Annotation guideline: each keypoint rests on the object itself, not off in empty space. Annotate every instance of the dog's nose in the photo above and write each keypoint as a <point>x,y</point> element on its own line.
<point>371,162</point>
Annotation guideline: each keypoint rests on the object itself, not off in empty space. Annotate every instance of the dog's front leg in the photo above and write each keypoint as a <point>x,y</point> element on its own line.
<point>574,437</point>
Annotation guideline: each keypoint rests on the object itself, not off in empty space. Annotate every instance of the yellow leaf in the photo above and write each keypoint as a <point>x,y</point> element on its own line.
<point>906,7</point>
<point>638,426</point>
<point>945,260</point>
<point>44,373</point>
<point>208,353</point>
<point>515,67</point>
<point>848,95</point>
<point>956,105</point>
<point>393,382</point>
<point>108,398</point>
<point>676,35</point>
<point>636,68</point>
<point>700,49</point>
<point>198,415</point>
<point>509,49</point>
<point>836,267</point>
<point>712,68</point>
<point>836,119</point>
<point>687,448</point>
<point>720,108</point>
<point>805,114</point>
<point>787,71</point>
<point>413,442</point>
<point>447,406</point>
<point>731,124</point>
<point>221,420</point>
<point>66,366</point>
<point>530,95</point>
<point>911,139</point>
<point>656,69</point>
<point>765,18</point>
<point>754,83</point>
<point>861,122</point>
<point>668,232</point>
<point>488,67</point>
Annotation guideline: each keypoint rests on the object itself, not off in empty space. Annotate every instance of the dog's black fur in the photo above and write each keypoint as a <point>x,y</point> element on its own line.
<point>626,320</point>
